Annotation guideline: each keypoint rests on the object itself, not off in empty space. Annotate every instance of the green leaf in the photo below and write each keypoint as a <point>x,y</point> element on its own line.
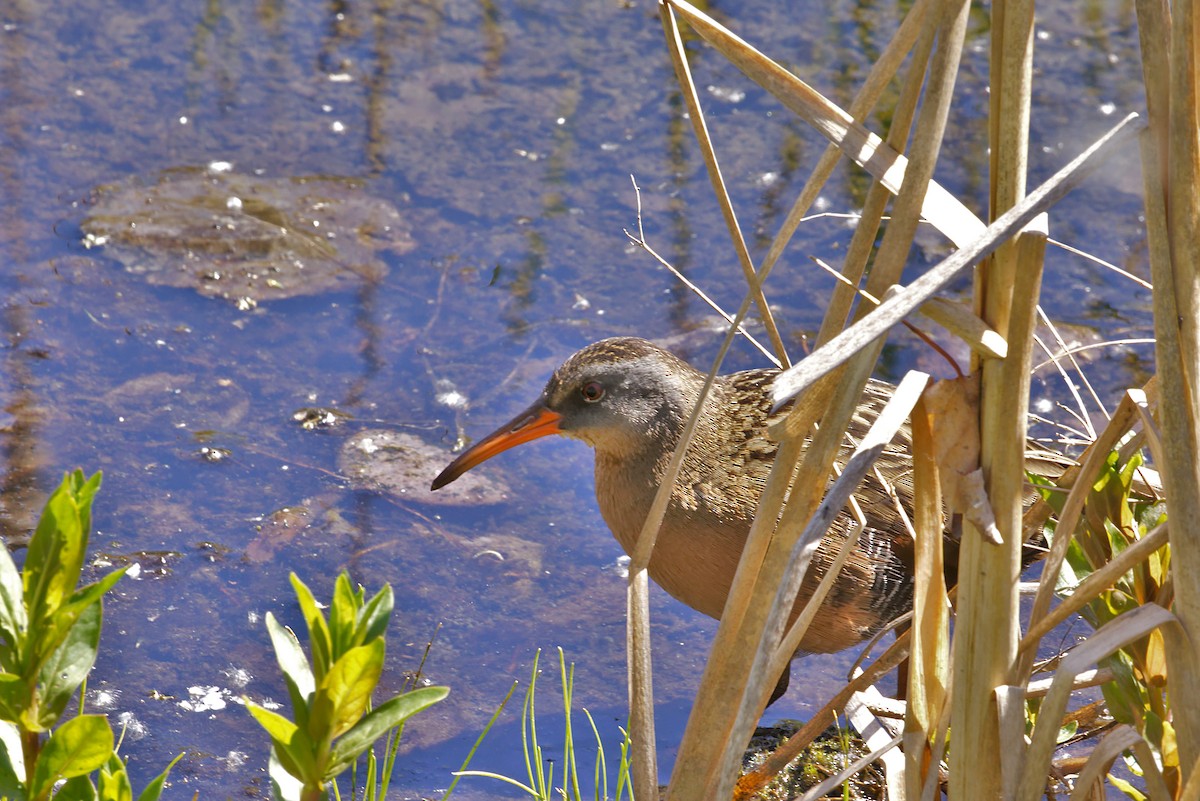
<point>154,788</point>
<point>1126,788</point>
<point>79,788</point>
<point>50,634</point>
<point>343,613</point>
<point>373,618</point>
<point>377,722</point>
<point>114,784</point>
<point>350,683</point>
<point>58,546</point>
<point>293,747</point>
<point>68,665</point>
<point>79,746</point>
<point>280,729</point>
<point>284,784</point>
<point>291,657</point>
<point>318,631</point>
<point>13,621</point>
<point>14,693</point>
<point>10,757</point>
<point>300,703</point>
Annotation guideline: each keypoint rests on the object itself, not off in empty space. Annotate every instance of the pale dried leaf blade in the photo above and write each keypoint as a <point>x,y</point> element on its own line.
<point>687,87</point>
<point>1122,738</point>
<point>1128,627</point>
<point>940,208</point>
<point>959,320</point>
<point>878,736</point>
<point>838,350</point>
<point>767,665</point>
<point>929,672</point>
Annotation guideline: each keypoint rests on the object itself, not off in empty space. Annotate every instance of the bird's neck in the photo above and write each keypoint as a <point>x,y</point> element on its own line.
<point>628,474</point>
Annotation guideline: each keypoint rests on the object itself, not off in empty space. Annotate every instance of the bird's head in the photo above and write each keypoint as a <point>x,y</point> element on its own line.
<point>618,395</point>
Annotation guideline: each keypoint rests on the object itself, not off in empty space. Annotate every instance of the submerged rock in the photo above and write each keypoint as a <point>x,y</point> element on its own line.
<point>245,238</point>
<point>402,465</point>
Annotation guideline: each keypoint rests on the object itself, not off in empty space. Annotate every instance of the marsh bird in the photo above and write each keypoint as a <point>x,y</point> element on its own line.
<point>629,399</point>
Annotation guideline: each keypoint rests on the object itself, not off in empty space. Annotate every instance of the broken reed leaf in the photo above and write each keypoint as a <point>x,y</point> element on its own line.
<point>892,310</point>
<point>958,319</point>
<point>1122,738</point>
<point>769,665</point>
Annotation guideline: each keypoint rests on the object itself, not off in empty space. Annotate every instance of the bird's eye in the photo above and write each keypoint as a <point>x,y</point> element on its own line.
<point>592,391</point>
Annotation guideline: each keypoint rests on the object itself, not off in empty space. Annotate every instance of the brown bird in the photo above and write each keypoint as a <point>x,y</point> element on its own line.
<point>630,399</point>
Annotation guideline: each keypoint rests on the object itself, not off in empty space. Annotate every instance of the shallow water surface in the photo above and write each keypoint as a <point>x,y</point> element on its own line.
<point>503,136</point>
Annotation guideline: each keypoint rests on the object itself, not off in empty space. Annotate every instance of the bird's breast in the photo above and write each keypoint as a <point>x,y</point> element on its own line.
<point>697,550</point>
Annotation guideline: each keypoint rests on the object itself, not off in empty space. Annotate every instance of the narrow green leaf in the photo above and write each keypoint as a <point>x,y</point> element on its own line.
<point>1126,788</point>
<point>291,656</point>
<point>299,703</point>
<point>154,788</point>
<point>374,617</point>
<point>350,683</point>
<point>318,631</point>
<point>78,747</point>
<point>68,665</point>
<point>292,746</point>
<point>42,555</point>
<point>320,716</point>
<point>85,494</point>
<point>343,613</point>
<point>59,546</point>
<point>378,721</point>
<point>49,634</point>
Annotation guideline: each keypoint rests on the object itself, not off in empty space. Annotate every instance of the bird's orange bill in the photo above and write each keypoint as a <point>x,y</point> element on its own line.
<point>536,421</point>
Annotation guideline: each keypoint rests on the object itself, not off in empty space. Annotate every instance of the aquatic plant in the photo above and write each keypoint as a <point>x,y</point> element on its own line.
<point>49,637</point>
<point>540,780</point>
<point>334,719</point>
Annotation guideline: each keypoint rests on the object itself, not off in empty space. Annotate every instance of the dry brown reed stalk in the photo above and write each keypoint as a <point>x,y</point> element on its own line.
<point>1006,292</point>
<point>1170,38</point>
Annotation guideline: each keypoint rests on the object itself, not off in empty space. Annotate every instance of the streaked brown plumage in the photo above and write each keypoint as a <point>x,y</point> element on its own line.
<point>629,400</point>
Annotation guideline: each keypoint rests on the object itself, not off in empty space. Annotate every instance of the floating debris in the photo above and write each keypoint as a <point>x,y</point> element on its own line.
<point>312,418</point>
<point>403,465</point>
<point>244,238</point>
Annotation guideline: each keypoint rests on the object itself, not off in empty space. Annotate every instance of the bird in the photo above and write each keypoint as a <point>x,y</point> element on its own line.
<point>629,400</point>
